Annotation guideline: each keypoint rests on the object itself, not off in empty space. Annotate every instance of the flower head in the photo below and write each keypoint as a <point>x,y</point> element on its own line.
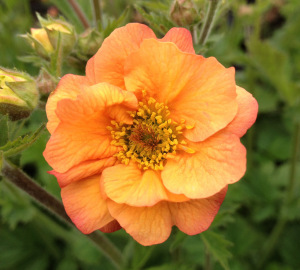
<point>44,40</point>
<point>18,94</point>
<point>149,138</point>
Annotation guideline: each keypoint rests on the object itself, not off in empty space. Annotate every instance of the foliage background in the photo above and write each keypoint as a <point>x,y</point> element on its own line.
<point>261,39</point>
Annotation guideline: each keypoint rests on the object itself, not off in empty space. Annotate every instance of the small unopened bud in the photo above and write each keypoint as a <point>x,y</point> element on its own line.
<point>18,94</point>
<point>45,83</point>
<point>89,42</point>
<point>45,40</point>
<point>183,12</point>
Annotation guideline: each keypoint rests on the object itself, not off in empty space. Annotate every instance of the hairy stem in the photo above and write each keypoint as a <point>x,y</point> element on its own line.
<point>22,181</point>
<point>209,21</point>
<point>281,222</point>
<point>79,13</point>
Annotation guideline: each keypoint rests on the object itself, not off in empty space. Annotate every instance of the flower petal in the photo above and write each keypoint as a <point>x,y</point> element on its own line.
<point>246,115</point>
<point>82,133</point>
<point>147,225</point>
<point>90,71</point>
<point>109,60</point>
<point>85,206</point>
<point>198,90</point>
<point>218,161</point>
<point>181,37</point>
<point>195,216</point>
<point>133,186</point>
<point>69,87</point>
<point>83,170</point>
<point>152,225</point>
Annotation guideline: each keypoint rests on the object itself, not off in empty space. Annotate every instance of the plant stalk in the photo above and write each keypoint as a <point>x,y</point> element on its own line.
<point>282,220</point>
<point>97,13</point>
<point>79,13</point>
<point>24,182</point>
<point>209,21</point>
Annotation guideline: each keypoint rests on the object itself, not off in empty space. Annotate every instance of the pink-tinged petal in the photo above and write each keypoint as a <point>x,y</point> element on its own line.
<point>198,90</point>
<point>133,186</point>
<point>69,87</point>
<point>108,63</point>
<point>85,206</point>
<point>246,115</point>
<point>111,227</point>
<point>181,37</point>
<point>195,216</point>
<point>152,225</point>
<point>90,71</point>
<point>217,162</point>
<point>83,170</point>
<point>147,225</point>
<point>82,133</point>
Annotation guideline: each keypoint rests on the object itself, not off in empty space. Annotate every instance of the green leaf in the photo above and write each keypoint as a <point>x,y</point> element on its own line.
<point>112,25</point>
<point>218,246</point>
<point>179,238</point>
<point>157,22</point>
<point>20,144</point>
<point>274,66</point>
<point>15,208</point>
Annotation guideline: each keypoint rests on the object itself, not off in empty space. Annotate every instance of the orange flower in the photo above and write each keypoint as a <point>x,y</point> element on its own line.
<point>149,138</point>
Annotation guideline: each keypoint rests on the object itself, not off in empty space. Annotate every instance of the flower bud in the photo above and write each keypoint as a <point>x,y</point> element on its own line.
<point>183,12</point>
<point>89,42</point>
<point>45,40</point>
<point>45,83</point>
<point>18,94</point>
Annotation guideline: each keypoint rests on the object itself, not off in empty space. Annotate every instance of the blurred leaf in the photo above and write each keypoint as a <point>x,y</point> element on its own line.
<point>289,247</point>
<point>15,208</point>
<point>111,25</point>
<point>225,214</point>
<point>158,23</point>
<point>169,266</point>
<point>267,100</point>
<point>273,64</point>
<point>177,242</point>
<point>218,246</point>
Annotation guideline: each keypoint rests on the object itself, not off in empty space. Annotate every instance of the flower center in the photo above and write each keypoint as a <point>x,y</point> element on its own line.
<point>150,139</point>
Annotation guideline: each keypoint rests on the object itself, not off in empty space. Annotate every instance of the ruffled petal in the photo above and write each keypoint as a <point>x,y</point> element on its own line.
<point>133,186</point>
<point>181,37</point>
<point>69,87</point>
<point>108,63</point>
<point>83,170</point>
<point>85,206</point>
<point>82,133</point>
<point>246,115</point>
<point>195,216</point>
<point>152,225</point>
<point>218,161</point>
<point>198,90</point>
<point>147,225</point>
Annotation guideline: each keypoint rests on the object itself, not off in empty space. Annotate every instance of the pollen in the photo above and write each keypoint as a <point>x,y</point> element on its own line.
<point>151,138</point>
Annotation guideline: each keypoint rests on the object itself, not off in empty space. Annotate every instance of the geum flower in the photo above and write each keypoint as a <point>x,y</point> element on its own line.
<point>149,138</point>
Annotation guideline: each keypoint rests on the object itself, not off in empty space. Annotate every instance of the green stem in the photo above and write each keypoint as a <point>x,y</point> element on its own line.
<point>22,181</point>
<point>79,13</point>
<point>209,21</point>
<point>97,13</point>
<point>207,263</point>
<point>281,222</point>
